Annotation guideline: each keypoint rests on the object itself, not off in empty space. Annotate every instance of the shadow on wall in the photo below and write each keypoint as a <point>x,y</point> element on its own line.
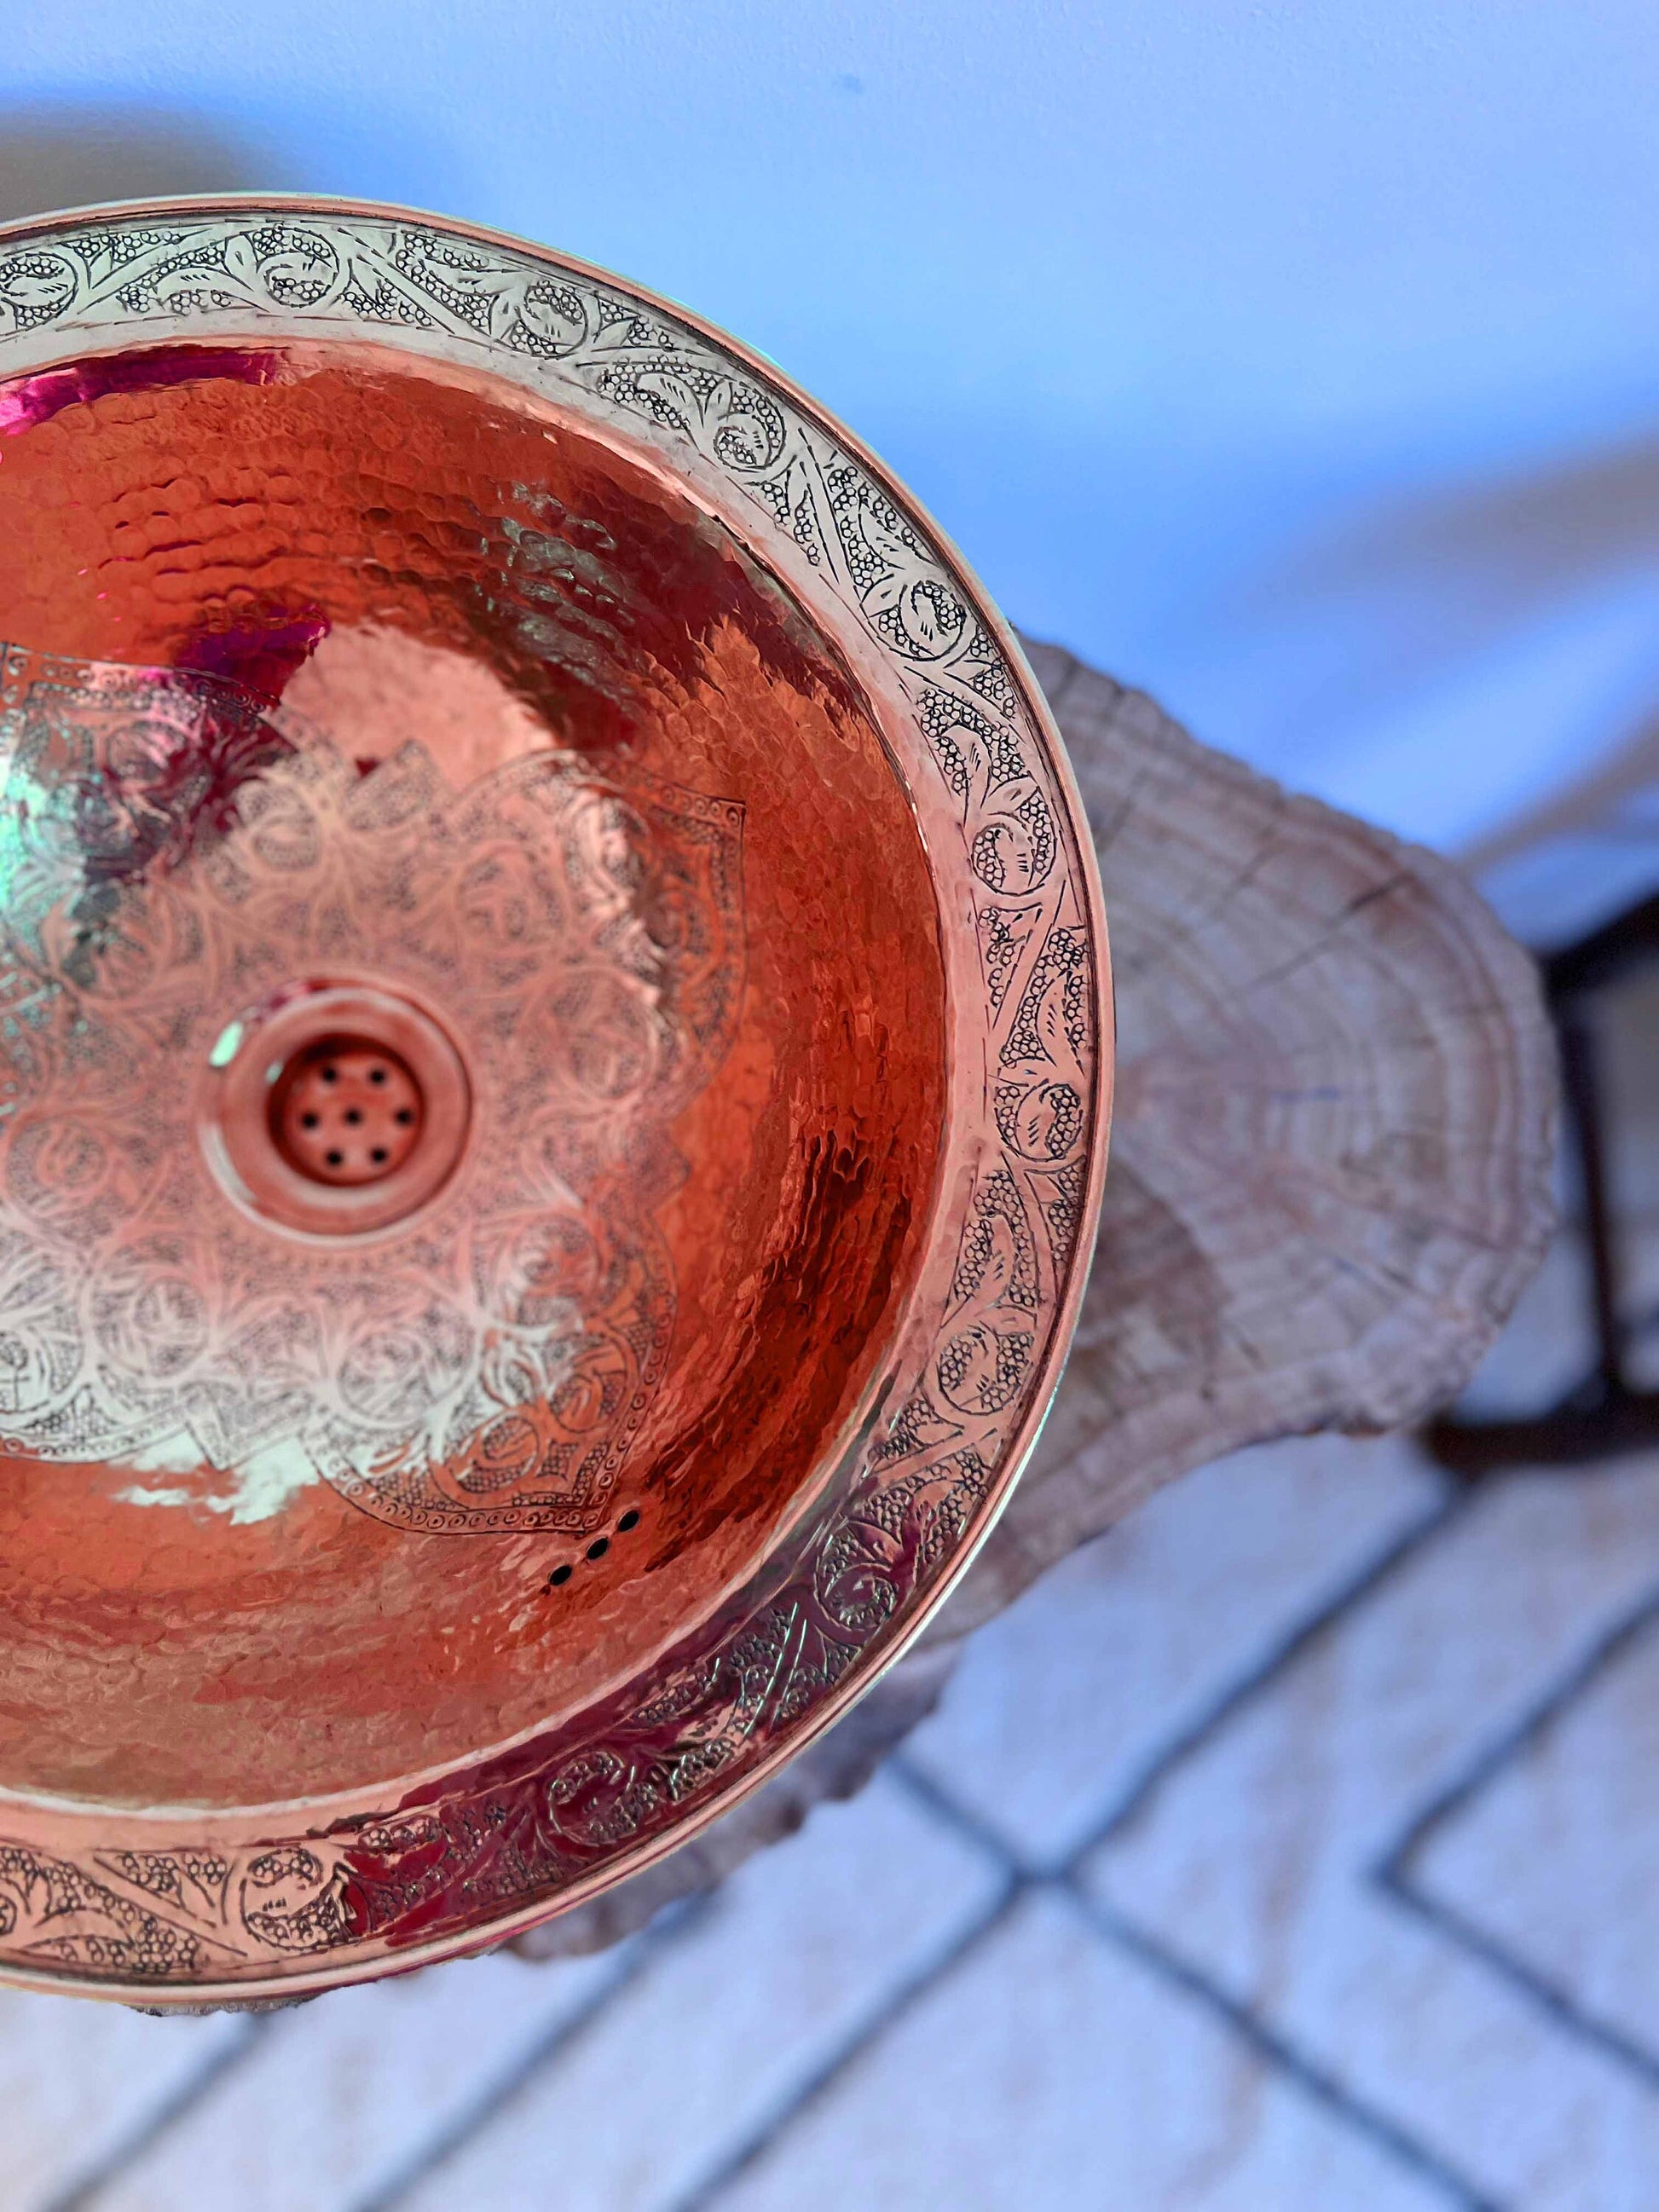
<point>65,157</point>
<point>1455,574</point>
<point>1415,598</point>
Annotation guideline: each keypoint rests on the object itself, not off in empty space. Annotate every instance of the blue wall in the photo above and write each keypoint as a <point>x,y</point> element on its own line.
<point>1298,361</point>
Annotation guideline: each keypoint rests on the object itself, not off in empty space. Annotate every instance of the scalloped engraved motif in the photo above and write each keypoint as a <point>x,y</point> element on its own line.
<point>488,1372</point>
<point>513,1832</point>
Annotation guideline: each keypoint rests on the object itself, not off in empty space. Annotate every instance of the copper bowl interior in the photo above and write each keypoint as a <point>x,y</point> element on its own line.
<point>525,737</point>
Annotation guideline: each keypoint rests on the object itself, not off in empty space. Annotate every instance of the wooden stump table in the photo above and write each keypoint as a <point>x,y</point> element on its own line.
<point>1330,1179</point>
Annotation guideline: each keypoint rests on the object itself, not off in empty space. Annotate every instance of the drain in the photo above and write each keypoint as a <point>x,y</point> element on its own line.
<point>347,1111</point>
<point>335,1110</point>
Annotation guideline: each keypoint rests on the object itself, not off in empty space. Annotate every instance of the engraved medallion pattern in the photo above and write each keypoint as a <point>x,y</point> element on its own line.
<point>488,1372</point>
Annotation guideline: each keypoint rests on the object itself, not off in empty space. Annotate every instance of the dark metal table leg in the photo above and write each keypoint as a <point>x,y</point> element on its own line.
<point>1603,1416</point>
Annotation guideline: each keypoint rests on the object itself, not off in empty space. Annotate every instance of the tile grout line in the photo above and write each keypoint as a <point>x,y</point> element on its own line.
<point>1269,2047</point>
<point>1394,1873</point>
<point>1556,2003</point>
<point>938,1803</point>
<point>900,1999</point>
<point>1265,2043</point>
<point>896,2000</point>
<point>177,2105</point>
<point>661,1936</point>
<point>1190,1738</point>
<point>1453,1506</point>
<point>1578,1676</point>
<point>1274,2049</point>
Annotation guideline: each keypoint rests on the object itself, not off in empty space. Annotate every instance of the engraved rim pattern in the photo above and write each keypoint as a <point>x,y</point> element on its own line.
<point>188,1908</point>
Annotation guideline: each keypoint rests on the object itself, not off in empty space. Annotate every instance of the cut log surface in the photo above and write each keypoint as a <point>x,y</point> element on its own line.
<point>1330,1179</point>
<point>1331,1170</point>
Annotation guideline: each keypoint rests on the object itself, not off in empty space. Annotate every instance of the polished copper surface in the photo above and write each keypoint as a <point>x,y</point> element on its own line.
<point>551,1087</point>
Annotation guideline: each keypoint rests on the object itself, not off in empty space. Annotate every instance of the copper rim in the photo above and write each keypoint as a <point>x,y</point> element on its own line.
<point>290,1897</point>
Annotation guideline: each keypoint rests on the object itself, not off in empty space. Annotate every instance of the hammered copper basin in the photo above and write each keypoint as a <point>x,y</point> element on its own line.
<point>551,1086</point>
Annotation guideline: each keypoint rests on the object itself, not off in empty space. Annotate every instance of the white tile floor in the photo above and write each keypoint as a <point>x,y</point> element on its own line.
<point>1292,1850</point>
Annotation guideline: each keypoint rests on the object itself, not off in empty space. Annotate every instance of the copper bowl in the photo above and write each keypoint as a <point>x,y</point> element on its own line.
<point>553,1081</point>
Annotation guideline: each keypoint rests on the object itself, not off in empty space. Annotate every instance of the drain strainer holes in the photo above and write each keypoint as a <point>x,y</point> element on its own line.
<point>346,1110</point>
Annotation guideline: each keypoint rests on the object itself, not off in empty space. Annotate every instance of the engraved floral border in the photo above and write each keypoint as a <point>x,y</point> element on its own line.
<point>508,1837</point>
